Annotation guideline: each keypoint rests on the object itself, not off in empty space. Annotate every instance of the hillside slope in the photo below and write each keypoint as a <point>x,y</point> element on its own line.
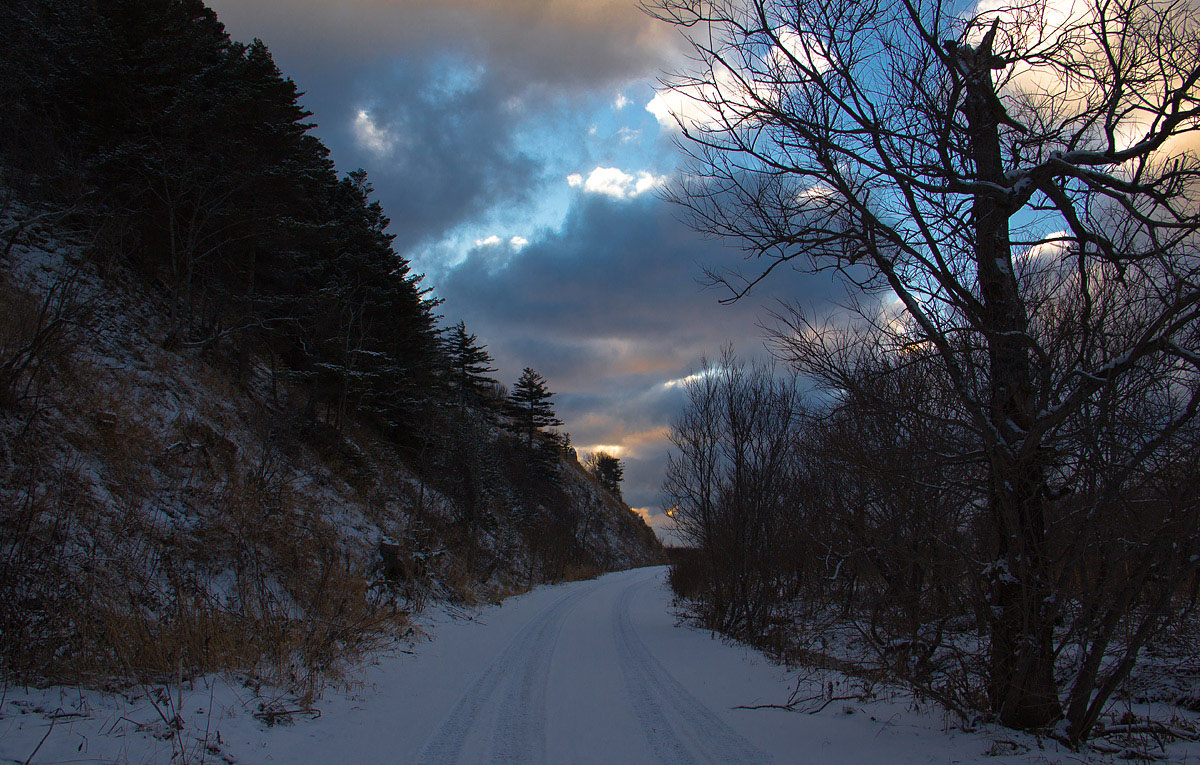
<point>169,508</point>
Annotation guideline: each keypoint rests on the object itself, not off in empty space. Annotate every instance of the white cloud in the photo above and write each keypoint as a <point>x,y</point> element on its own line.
<point>620,102</point>
<point>682,382</point>
<point>703,105</point>
<point>804,50</point>
<point>816,194</point>
<point>627,134</point>
<point>615,450</point>
<point>671,106</point>
<point>1052,246</point>
<point>372,137</point>
<point>610,181</point>
<point>616,183</point>
<point>515,243</point>
<point>647,182</point>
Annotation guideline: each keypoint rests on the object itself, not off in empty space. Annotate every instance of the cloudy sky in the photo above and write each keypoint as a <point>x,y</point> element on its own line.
<point>520,149</point>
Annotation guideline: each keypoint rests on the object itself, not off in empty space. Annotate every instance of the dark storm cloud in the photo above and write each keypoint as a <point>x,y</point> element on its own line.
<point>556,43</point>
<point>439,150</point>
<point>614,293</point>
<point>444,154</point>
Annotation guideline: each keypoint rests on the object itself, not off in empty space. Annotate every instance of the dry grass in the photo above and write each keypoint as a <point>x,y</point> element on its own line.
<point>257,588</point>
<point>38,335</point>
<point>578,572</point>
<point>136,551</point>
<point>113,430</point>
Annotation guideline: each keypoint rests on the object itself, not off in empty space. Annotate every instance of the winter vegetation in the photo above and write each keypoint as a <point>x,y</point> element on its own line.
<point>234,433</point>
<point>241,446</point>
<point>980,477</point>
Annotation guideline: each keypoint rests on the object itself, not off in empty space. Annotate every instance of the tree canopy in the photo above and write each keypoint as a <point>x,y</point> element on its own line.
<point>469,363</point>
<point>608,470</point>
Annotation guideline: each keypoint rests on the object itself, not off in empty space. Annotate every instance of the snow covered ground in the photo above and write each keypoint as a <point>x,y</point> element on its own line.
<point>590,672</point>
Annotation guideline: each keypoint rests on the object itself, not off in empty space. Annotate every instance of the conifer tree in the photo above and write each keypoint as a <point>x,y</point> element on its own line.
<point>530,403</point>
<point>195,160</point>
<point>469,364</point>
<point>608,470</point>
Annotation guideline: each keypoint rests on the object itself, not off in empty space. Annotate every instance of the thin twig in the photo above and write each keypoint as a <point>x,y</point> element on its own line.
<point>53,722</point>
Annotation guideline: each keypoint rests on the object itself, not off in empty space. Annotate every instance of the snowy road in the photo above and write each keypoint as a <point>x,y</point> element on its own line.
<point>526,704</point>
<point>574,673</point>
<point>593,672</point>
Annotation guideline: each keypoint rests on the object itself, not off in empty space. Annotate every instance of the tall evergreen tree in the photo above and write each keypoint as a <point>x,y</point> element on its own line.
<point>469,364</point>
<point>530,403</point>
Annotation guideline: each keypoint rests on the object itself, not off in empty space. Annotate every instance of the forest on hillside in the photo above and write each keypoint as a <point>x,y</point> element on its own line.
<point>236,431</point>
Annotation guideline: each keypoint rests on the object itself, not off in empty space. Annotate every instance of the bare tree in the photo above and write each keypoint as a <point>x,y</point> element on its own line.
<point>732,481</point>
<point>1021,179</point>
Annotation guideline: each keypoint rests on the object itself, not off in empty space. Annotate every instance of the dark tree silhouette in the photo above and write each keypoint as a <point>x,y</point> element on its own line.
<point>608,471</point>
<point>469,364</point>
<point>1024,181</point>
<point>530,405</point>
<point>189,157</point>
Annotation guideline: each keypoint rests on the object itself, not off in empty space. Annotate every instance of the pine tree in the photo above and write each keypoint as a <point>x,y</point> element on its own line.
<point>469,364</point>
<point>530,404</point>
<point>193,155</point>
<point>608,470</point>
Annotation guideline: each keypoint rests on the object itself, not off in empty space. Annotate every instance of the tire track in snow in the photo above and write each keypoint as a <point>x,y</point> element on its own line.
<point>652,689</point>
<point>662,739</point>
<point>520,733</point>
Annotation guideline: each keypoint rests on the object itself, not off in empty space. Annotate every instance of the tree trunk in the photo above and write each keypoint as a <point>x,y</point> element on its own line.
<point>1022,688</point>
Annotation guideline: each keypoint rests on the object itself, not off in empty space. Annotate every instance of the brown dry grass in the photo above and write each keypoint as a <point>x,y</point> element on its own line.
<point>38,335</point>
<point>122,557</point>
<point>111,428</point>
<point>258,588</point>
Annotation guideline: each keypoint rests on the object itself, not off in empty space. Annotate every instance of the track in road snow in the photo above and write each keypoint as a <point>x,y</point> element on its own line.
<point>505,708</point>
<point>519,735</point>
<point>657,697</point>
